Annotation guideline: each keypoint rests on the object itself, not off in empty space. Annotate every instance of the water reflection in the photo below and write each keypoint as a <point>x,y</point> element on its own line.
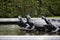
<point>13,29</point>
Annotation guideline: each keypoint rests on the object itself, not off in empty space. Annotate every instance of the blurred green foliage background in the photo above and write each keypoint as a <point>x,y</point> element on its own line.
<point>35,8</point>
